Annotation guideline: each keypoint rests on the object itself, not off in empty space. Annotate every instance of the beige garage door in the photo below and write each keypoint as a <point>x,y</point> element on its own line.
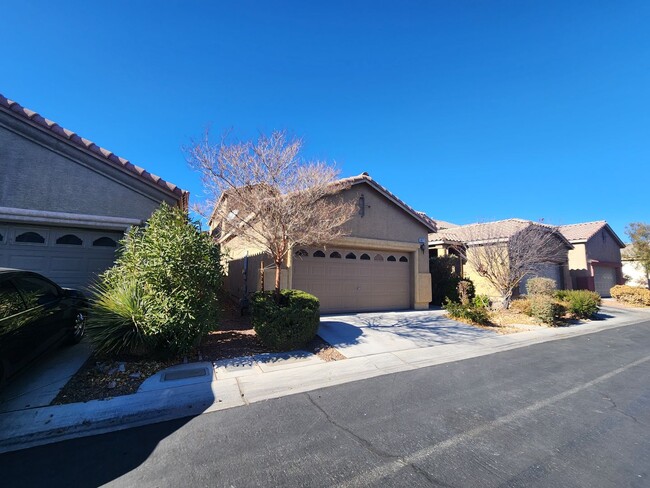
<point>70,257</point>
<point>352,280</point>
<point>604,280</point>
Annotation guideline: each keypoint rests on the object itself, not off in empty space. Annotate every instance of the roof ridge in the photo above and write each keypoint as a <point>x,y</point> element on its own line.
<point>80,142</point>
<point>585,223</point>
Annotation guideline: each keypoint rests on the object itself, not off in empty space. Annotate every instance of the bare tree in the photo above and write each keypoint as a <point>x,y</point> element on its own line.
<point>264,193</point>
<point>505,257</point>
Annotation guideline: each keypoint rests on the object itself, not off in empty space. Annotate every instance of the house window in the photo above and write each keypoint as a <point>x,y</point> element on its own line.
<point>104,242</point>
<point>350,255</point>
<point>335,255</point>
<point>31,237</point>
<point>379,257</point>
<point>319,254</point>
<point>70,239</point>
<point>302,253</point>
<point>365,257</point>
<point>391,258</point>
<point>1,237</point>
<point>403,259</point>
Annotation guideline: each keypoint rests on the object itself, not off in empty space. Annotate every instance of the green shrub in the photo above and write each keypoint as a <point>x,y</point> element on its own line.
<point>287,325</point>
<point>161,296</point>
<point>634,295</point>
<point>521,305</point>
<point>451,289</point>
<point>546,309</point>
<point>481,301</point>
<point>540,286</point>
<point>581,304</point>
<point>470,312</point>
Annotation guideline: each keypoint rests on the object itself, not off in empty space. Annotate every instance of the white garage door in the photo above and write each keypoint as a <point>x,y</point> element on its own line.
<point>604,279</point>
<point>352,280</point>
<point>70,257</point>
<point>552,271</point>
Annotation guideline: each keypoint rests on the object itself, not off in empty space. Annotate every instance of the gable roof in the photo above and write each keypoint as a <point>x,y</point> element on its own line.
<point>365,178</point>
<point>15,109</point>
<point>497,231</point>
<point>584,231</point>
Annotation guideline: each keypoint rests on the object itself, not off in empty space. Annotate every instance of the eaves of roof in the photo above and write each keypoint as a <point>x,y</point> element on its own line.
<point>55,130</point>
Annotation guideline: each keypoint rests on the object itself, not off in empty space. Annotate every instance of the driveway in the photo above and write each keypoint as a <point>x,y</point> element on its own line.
<point>363,334</point>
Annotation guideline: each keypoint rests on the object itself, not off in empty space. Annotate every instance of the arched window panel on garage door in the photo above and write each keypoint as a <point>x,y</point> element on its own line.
<point>104,242</point>
<point>319,254</point>
<point>379,257</point>
<point>391,258</point>
<point>335,255</point>
<point>350,255</point>
<point>364,257</point>
<point>70,240</point>
<point>403,259</point>
<point>30,237</point>
<point>302,253</point>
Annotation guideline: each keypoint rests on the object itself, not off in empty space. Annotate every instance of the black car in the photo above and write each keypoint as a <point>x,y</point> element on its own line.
<point>35,315</point>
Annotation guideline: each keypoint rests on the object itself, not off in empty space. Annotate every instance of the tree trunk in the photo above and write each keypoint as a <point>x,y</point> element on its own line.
<point>278,269</point>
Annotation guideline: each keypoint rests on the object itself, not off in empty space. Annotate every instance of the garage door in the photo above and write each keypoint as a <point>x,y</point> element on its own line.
<point>604,279</point>
<point>352,280</point>
<point>68,256</point>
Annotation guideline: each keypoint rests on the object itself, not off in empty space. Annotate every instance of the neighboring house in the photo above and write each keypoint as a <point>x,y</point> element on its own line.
<point>595,260</point>
<point>499,233</point>
<point>382,264</point>
<point>64,201</point>
<point>634,273</point>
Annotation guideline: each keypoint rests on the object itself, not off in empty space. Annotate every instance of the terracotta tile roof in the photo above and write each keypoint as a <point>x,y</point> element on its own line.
<point>103,154</point>
<point>365,178</point>
<point>489,231</point>
<point>584,231</point>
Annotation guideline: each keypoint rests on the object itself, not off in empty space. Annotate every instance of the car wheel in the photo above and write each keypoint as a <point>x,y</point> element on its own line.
<point>78,327</point>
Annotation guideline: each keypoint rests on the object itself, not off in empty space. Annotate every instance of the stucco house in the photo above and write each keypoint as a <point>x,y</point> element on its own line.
<point>65,201</point>
<point>595,260</point>
<point>473,237</point>
<point>381,264</point>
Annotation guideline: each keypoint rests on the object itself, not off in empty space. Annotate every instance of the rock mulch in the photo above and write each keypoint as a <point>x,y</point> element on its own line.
<point>101,378</point>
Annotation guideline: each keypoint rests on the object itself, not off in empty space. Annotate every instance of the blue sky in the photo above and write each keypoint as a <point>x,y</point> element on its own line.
<point>470,111</point>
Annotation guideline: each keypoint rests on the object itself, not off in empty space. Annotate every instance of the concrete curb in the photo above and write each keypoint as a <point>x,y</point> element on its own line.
<point>29,428</point>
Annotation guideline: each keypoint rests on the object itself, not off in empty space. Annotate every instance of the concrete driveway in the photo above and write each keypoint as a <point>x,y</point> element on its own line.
<point>363,334</point>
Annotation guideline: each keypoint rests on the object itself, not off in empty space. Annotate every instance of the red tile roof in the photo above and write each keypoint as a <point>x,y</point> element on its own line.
<point>103,154</point>
<point>586,230</point>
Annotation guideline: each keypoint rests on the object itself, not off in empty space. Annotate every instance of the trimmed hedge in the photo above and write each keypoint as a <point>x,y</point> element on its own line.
<point>287,325</point>
<point>582,304</point>
<point>546,309</point>
<point>631,294</point>
<point>476,314</point>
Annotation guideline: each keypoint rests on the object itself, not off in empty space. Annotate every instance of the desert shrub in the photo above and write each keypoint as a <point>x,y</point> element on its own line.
<point>289,324</point>
<point>581,304</point>
<point>481,301</point>
<point>161,296</point>
<point>631,294</point>
<point>521,305</point>
<point>546,309</point>
<point>469,312</point>
<point>540,286</point>
<point>451,290</point>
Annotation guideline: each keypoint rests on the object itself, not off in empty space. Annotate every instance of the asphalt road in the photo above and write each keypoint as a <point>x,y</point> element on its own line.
<point>568,413</point>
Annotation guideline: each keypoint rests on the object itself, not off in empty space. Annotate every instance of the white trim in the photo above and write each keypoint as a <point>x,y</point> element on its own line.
<point>23,215</point>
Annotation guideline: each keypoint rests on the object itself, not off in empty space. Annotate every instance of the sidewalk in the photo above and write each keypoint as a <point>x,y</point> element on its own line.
<point>196,388</point>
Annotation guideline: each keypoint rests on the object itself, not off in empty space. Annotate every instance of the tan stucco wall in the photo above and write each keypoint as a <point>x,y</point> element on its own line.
<point>603,247</point>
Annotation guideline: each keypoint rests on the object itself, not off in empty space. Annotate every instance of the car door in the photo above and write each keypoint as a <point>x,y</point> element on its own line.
<point>13,323</point>
<point>44,303</point>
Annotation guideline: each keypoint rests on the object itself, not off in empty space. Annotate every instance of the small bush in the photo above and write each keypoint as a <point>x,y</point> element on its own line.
<point>541,286</point>
<point>451,289</point>
<point>481,301</point>
<point>631,294</point>
<point>581,304</point>
<point>470,313</point>
<point>287,325</point>
<point>546,309</point>
<point>521,305</point>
